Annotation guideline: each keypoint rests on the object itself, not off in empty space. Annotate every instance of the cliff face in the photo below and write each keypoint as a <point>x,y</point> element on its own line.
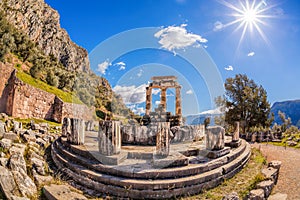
<point>41,23</point>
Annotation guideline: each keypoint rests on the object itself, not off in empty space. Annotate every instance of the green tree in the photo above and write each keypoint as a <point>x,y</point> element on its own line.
<point>246,102</point>
<point>286,122</point>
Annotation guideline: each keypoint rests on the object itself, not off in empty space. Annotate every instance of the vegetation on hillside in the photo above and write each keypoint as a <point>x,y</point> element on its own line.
<point>47,73</point>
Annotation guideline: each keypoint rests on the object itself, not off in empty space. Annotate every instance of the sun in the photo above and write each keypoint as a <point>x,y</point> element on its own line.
<point>249,16</point>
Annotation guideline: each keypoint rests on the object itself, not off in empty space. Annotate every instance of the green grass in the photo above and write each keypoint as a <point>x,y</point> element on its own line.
<point>37,121</point>
<point>242,182</point>
<point>65,96</point>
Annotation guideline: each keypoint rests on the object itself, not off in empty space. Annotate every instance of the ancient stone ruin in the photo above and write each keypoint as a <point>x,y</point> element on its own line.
<point>160,158</point>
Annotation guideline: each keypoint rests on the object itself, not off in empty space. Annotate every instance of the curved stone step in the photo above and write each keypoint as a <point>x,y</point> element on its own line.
<point>145,188</point>
<point>192,169</point>
<point>156,184</point>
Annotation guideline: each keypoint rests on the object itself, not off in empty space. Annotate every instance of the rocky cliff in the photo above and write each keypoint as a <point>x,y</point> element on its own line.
<point>41,23</point>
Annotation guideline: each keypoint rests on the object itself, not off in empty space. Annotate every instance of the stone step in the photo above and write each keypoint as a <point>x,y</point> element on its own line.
<point>190,170</point>
<point>146,188</point>
<point>151,184</point>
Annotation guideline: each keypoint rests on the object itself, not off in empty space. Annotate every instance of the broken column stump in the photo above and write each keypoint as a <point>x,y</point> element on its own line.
<point>162,139</point>
<point>66,127</point>
<point>109,143</point>
<point>236,141</point>
<point>77,134</point>
<point>215,142</point>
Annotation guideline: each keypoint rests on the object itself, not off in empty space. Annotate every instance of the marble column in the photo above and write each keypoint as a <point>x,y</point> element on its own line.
<point>215,138</point>
<point>162,139</point>
<point>178,101</point>
<point>66,126</point>
<point>236,133</point>
<point>148,100</point>
<point>163,98</point>
<point>109,137</point>
<point>77,134</point>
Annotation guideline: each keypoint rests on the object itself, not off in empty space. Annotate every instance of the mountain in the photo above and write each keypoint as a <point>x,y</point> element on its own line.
<point>199,118</point>
<point>290,108</point>
<point>30,30</point>
<point>41,23</point>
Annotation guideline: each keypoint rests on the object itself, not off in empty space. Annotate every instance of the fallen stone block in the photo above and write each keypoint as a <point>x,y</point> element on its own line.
<point>12,136</point>
<point>257,194</point>
<point>25,184</point>
<point>275,164</point>
<point>270,173</point>
<point>61,192</point>
<point>5,143</point>
<point>267,186</point>
<point>7,183</point>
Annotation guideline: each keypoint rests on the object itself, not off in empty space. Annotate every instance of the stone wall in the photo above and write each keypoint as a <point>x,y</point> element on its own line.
<point>29,101</point>
<point>5,73</point>
<point>22,100</point>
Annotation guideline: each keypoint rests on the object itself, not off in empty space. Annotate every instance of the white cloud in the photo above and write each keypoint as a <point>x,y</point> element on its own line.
<point>218,26</point>
<point>250,54</point>
<point>189,92</point>
<point>155,91</point>
<point>229,68</point>
<point>177,37</point>
<point>102,67</point>
<point>157,102</point>
<point>122,65</point>
<point>132,94</point>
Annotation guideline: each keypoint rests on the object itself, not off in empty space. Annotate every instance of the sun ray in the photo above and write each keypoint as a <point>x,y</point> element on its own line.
<point>249,15</point>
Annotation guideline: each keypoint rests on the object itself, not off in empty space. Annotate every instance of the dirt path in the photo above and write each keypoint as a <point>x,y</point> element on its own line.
<point>289,176</point>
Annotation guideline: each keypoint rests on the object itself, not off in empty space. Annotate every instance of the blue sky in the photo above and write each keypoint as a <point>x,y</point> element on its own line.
<point>213,50</point>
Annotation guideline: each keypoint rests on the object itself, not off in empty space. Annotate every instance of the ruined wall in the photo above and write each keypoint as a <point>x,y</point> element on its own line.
<point>29,101</point>
<point>22,100</point>
<point>5,73</point>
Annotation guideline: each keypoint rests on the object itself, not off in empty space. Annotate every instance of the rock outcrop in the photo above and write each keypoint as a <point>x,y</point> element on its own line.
<point>41,23</point>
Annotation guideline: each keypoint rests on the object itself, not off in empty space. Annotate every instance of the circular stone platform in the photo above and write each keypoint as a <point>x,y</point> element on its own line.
<point>138,177</point>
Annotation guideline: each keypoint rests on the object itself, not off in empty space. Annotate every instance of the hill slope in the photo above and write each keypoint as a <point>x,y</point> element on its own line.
<point>290,108</point>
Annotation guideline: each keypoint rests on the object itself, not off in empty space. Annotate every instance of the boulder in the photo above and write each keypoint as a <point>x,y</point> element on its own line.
<point>257,194</point>
<point>42,180</point>
<point>38,165</point>
<point>2,129</point>
<point>17,162</point>
<point>267,186</point>
<point>11,135</point>
<point>3,161</point>
<point>7,183</point>
<point>17,126</point>
<point>24,182</point>
<point>232,196</point>
<point>5,143</point>
<point>17,148</point>
<point>61,192</point>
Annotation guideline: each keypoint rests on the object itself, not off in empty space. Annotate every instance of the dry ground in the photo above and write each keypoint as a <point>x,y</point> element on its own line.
<point>289,176</point>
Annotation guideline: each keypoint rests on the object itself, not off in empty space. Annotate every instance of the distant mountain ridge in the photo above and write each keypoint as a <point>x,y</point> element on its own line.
<point>291,109</point>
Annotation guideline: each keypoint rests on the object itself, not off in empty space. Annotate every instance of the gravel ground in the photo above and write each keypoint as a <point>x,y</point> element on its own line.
<point>289,175</point>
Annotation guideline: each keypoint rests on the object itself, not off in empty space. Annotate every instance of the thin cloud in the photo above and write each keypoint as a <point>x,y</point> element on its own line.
<point>218,26</point>
<point>189,92</point>
<point>121,65</point>
<point>177,37</point>
<point>250,54</point>
<point>229,68</point>
<point>102,67</point>
<point>140,73</point>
